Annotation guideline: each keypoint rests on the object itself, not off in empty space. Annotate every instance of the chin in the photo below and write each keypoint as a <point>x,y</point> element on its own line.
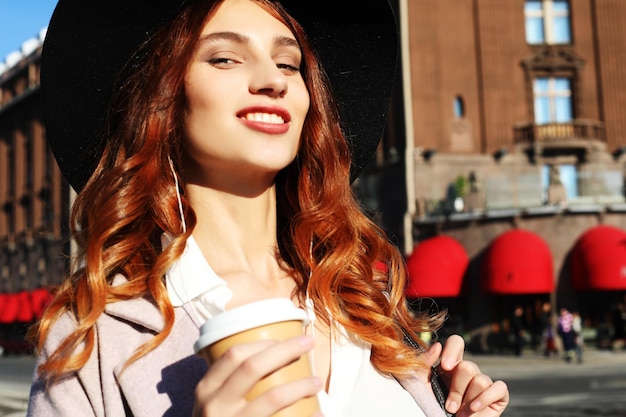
<point>276,163</point>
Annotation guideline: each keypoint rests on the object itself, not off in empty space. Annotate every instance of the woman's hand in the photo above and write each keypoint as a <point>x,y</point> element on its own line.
<point>471,393</point>
<point>221,392</point>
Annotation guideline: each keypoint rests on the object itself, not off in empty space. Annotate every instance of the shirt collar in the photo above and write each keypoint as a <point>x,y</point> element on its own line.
<point>192,278</point>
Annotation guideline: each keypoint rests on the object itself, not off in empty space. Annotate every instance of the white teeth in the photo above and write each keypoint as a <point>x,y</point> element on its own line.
<point>264,117</point>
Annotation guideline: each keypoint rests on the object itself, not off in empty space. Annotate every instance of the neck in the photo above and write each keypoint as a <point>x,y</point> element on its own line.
<point>235,232</point>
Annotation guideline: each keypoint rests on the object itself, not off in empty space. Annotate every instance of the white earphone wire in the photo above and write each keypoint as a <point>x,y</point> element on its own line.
<point>180,201</point>
<point>310,309</point>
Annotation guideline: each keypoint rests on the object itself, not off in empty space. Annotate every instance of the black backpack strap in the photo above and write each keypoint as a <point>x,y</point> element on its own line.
<point>439,388</point>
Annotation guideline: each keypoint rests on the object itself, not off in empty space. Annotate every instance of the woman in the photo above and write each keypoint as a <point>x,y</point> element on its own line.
<point>221,176</point>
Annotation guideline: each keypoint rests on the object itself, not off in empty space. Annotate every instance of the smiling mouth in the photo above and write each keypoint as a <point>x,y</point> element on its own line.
<point>264,118</point>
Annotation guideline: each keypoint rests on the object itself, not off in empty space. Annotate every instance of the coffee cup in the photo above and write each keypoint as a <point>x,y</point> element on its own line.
<point>271,319</point>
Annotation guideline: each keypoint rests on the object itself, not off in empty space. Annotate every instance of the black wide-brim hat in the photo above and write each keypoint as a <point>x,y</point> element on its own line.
<point>89,41</point>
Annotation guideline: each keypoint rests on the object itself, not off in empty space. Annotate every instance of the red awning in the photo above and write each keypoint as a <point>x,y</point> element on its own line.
<point>10,308</point>
<point>518,262</point>
<point>598,259</point>
<point>436,268</point>
<point>25,307</point>
<point>3,303</point>
<point>40,298</point>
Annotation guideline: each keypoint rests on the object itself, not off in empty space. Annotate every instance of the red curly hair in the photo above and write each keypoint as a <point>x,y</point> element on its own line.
<point>130,200</point>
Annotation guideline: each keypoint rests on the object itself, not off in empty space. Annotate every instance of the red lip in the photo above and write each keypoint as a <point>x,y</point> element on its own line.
<point>270,128</point>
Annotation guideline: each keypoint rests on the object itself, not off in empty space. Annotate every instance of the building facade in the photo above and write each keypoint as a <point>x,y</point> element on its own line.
<point>506,137</point>
<point>514,122</point>
<point>34,200</point>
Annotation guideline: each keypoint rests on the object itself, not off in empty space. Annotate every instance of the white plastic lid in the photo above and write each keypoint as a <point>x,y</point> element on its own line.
<point>248,316</point>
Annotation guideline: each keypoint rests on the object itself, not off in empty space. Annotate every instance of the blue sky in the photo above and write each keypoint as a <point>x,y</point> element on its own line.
<point>21,20</point>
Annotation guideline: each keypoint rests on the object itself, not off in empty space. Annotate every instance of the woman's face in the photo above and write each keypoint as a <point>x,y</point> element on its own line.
<point>246,98</point>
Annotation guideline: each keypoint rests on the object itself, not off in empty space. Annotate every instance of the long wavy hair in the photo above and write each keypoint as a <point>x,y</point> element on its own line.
<point>336,254</point>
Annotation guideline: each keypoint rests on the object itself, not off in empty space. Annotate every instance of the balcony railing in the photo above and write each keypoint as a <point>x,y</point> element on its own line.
<point>576,130</point>
<point>503,192</point>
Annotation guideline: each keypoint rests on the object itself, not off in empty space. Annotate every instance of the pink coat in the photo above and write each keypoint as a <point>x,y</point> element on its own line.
<point>161,383</point>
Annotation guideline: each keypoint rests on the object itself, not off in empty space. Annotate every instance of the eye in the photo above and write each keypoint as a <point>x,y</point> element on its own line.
<point>288,62</point>
<point>216,61</point>
<point>223,60</point>
<point>288,68</point>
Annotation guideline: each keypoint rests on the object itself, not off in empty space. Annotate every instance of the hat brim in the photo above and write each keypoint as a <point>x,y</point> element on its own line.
<point>88,42</point>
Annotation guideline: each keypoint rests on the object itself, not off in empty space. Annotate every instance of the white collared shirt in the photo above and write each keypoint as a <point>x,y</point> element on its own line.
<point>356,389</point>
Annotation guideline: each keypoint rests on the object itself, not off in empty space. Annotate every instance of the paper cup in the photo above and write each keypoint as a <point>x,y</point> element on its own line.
<point>272,319</point>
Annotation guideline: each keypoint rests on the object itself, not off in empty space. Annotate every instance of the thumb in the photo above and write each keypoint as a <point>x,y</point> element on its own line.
<point>432,354</point>
<point>429,357</point>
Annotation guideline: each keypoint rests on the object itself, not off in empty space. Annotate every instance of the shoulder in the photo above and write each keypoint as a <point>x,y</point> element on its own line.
<point>64,326</point>
<point>164,379</point>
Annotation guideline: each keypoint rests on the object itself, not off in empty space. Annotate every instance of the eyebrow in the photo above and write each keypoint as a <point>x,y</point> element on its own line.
<point>239,38</point>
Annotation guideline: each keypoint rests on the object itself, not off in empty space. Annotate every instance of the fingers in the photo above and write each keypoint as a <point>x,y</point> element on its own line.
<point>221,392</point>
<point>220,370</point>
<point>451,356</point>
<point>281,396</point>
<point>452,352</point>
<point>472,393</point>
<point>459,379</point>
<point>490,402</point>
<point>448,356</point>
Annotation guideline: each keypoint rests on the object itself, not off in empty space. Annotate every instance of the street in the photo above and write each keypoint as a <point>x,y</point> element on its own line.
<point>542,387</point>
<point>15,377</point>
<point>539,387</point>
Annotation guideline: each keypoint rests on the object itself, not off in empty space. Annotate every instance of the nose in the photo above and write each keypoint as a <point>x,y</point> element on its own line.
<point>268,79</point>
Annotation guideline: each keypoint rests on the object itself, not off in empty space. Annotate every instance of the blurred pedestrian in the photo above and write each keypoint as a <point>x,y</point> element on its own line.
<point>577,327</point>
<point>566,332</point>
<point>518,332</point>
<point>547,337</point>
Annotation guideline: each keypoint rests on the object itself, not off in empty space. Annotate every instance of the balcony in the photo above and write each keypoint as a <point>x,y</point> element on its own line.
<point>577,133</point>
<point>516,187</point>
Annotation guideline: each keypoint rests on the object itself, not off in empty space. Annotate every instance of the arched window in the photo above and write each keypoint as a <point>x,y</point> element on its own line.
<point>458,107</point>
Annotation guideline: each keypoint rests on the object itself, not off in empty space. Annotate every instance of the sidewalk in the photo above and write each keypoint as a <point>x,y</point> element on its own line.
<point>14,387</point>
<point>534,363</point>
<point>15,379</point>
<point>591,355</point>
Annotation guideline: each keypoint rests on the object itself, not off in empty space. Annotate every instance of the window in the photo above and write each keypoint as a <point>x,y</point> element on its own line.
<point>552,100</point>
<point>567,176</point>
<point>458,107</point>
<point>28,162</point>
<point>547,22</point>
<point>11,168</point>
